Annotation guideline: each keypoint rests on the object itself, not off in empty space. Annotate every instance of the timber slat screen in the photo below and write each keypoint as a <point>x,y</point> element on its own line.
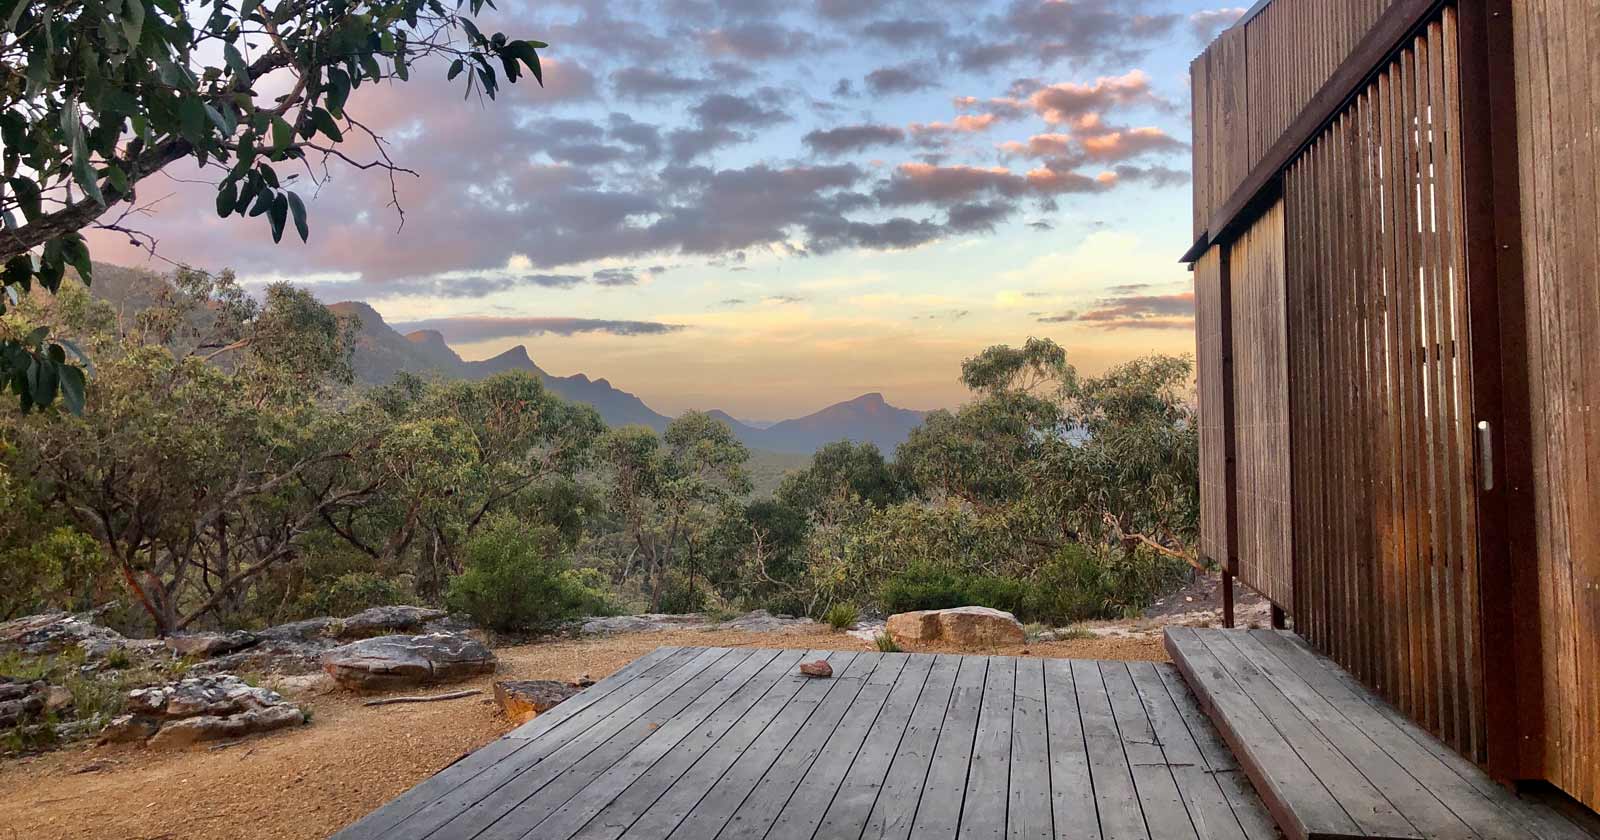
<point>1211,349</point>
<point>1558,94</point>
<point>1261,407</point>
<point>1384,501</point>
<point>1396,206</point>
<point>1257,78</point>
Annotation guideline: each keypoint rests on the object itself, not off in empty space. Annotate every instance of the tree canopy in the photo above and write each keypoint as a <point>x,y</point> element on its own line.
<point>98,95</point>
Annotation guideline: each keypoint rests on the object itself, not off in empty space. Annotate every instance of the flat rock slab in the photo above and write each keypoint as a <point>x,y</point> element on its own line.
<point>198,709</point>
<point>523,700</point>
<point>978,627</point>
<point>389,662</point>
<point>38,635</point>
<point>208,645</point>
<point>384,621</point>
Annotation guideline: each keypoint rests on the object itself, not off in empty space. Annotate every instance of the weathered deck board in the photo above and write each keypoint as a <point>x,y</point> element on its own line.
<point>715,743</point>
<point>1331,759</point>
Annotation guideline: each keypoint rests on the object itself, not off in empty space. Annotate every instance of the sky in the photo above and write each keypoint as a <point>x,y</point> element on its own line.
<point>764,206</point>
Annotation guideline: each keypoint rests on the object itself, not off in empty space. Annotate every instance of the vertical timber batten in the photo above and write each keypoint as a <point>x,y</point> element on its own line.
<point>1432,168</point>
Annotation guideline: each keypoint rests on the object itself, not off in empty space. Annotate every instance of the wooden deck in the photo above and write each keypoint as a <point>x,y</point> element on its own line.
<point>701,743</point>
<point>1332,760</point>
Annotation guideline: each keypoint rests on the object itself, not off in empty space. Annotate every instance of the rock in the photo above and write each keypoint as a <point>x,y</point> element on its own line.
<point>200,709</point>
<point>646,623</point>
<point>22,703</point>
<point>304,685</point>
<point>57,698</point>
<point>307,630</point>
<point>761,621</point>
<point>270,656</point>
<point>399,661</point>
<point>523,700</point>
<point>869,630</point>
<point>819,668</point>
<point>383,621</point>
<point>210,645</point>
<point>181,733</point>
<point>977,627</point>
<point>128,728</point>
<point>49,633</point>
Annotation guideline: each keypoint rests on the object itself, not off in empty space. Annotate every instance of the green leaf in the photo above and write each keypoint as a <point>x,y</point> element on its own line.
<point>235,61</point>
<point>192,119</point>
<point>298,209</point>
<point>72,389</point>
<point>28,196</point>
<point>82,357</point>
<point>455,70</point>
<point>282,135</point>
<point>132,21</point>
<point>222,119</point>
<point>118,178</point>
<point>82,168</point>
<point>18,272</point>
<point>76,252</point>
<point>278,215</point>
<point>42,381</point>
<point>227,197</point>
<point>325,124</point>
<point>263,203</point>
<point>37,335</point>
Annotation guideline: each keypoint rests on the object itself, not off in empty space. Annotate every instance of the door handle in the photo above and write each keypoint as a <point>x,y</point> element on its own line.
<point>1485,455</point>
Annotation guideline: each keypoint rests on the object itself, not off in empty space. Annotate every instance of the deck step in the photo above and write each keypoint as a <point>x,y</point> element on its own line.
<point>1331,760</point>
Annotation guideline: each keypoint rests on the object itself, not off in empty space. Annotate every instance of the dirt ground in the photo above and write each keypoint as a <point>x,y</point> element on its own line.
<point>312,781</point>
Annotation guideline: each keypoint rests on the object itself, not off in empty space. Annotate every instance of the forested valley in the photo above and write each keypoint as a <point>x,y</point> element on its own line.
<point>227,472</point>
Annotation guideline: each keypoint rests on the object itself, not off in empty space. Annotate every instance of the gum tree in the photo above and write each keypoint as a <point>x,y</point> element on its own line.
<point>98,95</point>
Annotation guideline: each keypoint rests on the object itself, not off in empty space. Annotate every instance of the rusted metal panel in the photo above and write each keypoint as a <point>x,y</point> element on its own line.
<point>1211,354</point>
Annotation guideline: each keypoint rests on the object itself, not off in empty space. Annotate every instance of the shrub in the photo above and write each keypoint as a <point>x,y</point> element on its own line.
<point>1074,585</point>
<point>680,594</point>
<point>841,616</point>
<point>929,587</point>
<point>513,583</point>
<point>886,643</point>
<point>353,592</point>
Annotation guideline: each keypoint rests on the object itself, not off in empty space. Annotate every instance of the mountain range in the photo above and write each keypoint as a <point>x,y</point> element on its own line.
<point>382,351</point>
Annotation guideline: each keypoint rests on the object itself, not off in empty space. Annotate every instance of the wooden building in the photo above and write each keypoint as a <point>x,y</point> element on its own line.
<point>1397,274</point>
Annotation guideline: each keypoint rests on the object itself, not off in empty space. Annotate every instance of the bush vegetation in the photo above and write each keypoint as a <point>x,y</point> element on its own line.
<point>842,616</point>
<point>1053,495</point>
<point>514,582</point>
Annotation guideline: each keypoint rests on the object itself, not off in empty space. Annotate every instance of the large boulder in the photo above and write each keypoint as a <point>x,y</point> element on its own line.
<point>977,627</point>
<point>200,709</point>
<point>50,633</point>
<point>523,700</point>
<point>388,662</point>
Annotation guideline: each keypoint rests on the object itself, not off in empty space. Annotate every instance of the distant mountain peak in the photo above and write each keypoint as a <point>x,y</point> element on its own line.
<point>425,337</point>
